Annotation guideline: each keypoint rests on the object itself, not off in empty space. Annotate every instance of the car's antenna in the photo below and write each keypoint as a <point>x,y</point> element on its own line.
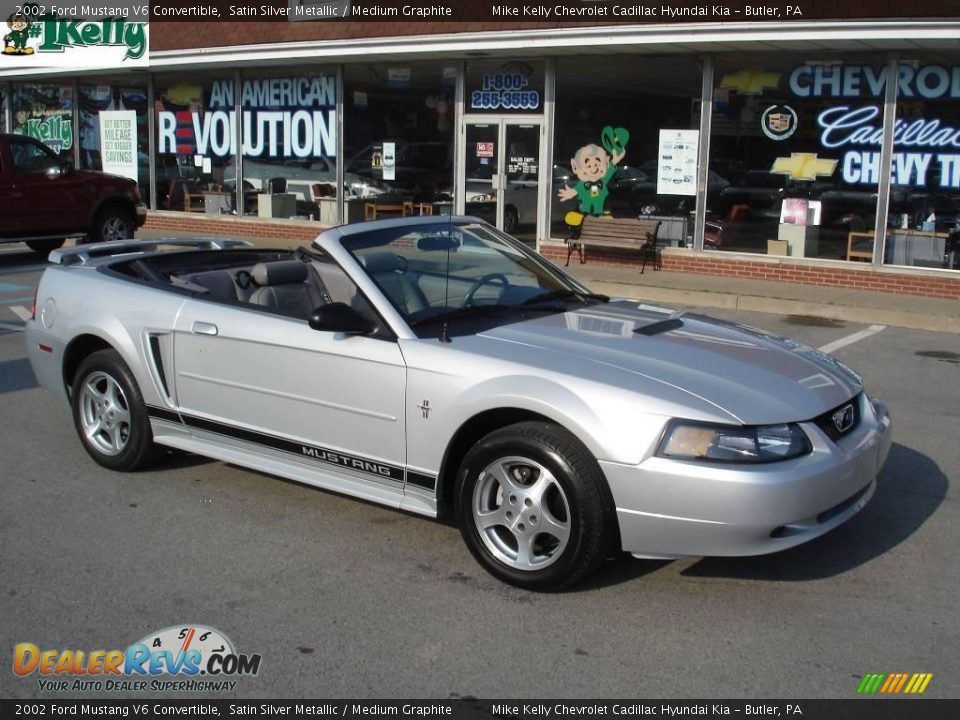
<point>444,330</point>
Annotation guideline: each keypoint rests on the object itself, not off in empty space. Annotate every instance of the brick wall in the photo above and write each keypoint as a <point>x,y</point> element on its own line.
<point>287,233</point>
<point>853,275</point>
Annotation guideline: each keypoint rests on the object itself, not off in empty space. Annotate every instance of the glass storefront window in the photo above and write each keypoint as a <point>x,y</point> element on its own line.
<point>802,180</point>
<point>45,112</point>
<point>290,143</point>
<point>398,138</point>
<point>3,108</point>
<point>923,225</point>
<point>128,154</point>
<point>196,143</point>
<point>626,141</point>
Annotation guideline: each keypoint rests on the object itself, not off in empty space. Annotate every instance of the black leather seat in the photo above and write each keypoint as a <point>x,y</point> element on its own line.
<point>285,286</point>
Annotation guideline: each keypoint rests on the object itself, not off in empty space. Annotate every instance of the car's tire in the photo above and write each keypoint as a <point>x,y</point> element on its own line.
<point>112,223</point>
<point>533,507</point>
<point>43,247</point>
<point>110,415</point>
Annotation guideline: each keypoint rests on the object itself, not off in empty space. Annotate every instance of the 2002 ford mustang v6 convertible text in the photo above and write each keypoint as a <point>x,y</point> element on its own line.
<point>438,366</point>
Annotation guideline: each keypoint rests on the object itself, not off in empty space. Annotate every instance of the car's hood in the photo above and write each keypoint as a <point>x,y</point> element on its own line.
<point>755,377</point>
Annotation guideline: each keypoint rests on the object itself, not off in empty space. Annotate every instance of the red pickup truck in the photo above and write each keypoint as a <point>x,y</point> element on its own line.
<point>45,200</point>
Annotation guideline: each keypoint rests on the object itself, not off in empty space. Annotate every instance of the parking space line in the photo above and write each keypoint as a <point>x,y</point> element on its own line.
<point>850,339</point>
<point>21,312</point>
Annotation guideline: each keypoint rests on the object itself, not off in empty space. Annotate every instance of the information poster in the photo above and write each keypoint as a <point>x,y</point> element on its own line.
<point>118,142</point>
<point>677,162</point>
<point>389,161</point>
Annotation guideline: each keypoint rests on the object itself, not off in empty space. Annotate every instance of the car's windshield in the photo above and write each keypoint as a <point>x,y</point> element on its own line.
<point>457,269</point>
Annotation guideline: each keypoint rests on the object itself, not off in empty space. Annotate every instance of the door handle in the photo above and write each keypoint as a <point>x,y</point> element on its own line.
<point>204,328</point>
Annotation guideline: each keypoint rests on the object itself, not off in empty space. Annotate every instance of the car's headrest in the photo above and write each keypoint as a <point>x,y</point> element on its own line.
<point>281,272</point>
<point>382,262</point>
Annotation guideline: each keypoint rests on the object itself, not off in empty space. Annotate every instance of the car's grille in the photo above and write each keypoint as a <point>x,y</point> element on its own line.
<point>847,415</point>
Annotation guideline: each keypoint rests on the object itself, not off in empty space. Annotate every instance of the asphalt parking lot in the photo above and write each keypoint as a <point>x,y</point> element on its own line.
<point>346,599</point>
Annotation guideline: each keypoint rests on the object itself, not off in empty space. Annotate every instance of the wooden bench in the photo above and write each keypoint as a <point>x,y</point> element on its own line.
<point>628,233</point>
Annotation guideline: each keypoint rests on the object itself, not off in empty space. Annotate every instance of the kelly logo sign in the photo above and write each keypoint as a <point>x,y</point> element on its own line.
<point>49,40</point>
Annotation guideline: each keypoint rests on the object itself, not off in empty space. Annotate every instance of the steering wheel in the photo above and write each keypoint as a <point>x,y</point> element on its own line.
<point>487,279</point>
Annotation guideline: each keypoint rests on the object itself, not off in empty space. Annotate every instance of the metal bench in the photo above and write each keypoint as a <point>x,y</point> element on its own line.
<point>627,233</point>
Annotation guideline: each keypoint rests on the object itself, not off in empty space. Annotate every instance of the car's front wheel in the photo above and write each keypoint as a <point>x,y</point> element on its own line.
<point>533,507</point>
<point>112,223</point>
<point>110,415</point>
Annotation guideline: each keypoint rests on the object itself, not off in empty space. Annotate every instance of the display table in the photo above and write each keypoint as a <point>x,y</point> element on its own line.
<point>904,247</point>
<point>673,229</point>
<point>276,205</point>
<point>802,240</point>
<point>215,202</point>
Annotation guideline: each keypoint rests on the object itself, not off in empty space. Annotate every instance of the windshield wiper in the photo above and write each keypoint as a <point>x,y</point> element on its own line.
<point>472,310</point>
<point>563,294</point>
<point>466,311</point>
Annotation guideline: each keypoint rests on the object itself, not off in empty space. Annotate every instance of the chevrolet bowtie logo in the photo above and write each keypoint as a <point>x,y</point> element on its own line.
<point>750,82</point>
<point>803,166</point>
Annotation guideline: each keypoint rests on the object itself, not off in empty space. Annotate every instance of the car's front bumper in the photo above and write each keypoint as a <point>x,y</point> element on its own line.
<point>141,214</point>
<point>668,508</point>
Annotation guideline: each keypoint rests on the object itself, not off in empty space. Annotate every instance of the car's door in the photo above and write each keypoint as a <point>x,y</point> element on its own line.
<point>50,202</point>
<point>272,382</point>
<point>9,217</point>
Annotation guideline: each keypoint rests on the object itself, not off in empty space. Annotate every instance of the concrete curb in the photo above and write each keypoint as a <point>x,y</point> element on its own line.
<point>781,306</point>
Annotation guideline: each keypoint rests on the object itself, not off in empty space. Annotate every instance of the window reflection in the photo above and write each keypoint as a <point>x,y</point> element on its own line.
<point>924,211</point>
<point>612,111</point>
<point>795,183</point>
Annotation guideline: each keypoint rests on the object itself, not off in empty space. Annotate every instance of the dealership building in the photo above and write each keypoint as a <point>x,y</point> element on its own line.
<point>800,143</point>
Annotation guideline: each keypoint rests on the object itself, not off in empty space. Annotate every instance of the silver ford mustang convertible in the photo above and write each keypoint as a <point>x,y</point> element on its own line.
<point>440,367</point>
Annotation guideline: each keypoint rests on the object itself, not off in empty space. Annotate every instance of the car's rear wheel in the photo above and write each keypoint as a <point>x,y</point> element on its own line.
<point>533,507</point>
<point>112,223</point>
<point>110,415</point>
<point>43,247</point>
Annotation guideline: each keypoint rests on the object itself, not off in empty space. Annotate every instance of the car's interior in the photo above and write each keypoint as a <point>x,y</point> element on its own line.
<point>289,283</point>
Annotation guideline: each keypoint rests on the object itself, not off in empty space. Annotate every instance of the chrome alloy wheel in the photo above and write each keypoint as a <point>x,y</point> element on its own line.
<point>521,513</point>
<point>104,413</point>
<point>115,228</point>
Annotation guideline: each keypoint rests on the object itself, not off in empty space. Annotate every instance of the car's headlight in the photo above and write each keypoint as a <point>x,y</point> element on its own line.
<point>685,440</point>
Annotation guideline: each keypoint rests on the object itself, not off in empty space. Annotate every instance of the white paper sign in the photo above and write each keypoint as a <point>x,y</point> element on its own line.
<point>118,142</point>
<point>677,162</point>
<point>389,161</point>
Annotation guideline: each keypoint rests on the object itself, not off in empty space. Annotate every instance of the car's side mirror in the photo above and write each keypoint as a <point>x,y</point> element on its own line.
<point>339,317</point>
<point>55,171</point>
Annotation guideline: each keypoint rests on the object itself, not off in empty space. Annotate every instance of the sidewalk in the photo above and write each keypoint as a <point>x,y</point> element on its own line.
<point>714,291</point>
<point>778,298</point>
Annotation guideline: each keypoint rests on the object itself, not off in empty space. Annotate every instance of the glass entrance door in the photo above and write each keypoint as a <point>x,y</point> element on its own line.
<point>502,169</point>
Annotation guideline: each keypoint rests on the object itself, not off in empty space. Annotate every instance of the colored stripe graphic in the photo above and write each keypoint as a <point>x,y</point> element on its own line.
<point>894,683</point>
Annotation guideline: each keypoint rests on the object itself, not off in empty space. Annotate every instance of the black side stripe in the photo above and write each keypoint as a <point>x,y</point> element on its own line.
<point>163,414</point>
<point>302,450</point>
<point>421,480</point>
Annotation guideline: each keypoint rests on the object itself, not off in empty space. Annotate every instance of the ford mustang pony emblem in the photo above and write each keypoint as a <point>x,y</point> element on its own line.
<point>843,418</point>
